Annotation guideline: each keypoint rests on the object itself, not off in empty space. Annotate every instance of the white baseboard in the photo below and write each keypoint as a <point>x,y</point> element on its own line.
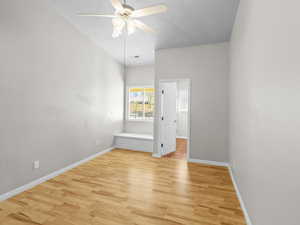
<point>214,163</point>
<point>156,155</point>
<point>49,176</point>
<point>248,221</point>
<point>182,137</point>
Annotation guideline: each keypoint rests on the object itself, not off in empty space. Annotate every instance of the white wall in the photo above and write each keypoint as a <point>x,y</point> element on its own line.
<point>207,66</point>
<point>61,97</point>
<point>265,110</point>
<point>139,76</point>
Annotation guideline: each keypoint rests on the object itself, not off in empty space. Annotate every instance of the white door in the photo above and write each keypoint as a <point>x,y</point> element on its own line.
<point>168,91</point>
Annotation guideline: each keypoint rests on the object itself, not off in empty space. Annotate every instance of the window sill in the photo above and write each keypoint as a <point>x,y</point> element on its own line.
<point>139,121</point>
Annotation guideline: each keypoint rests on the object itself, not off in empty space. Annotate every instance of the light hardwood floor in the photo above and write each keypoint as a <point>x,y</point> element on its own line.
<point>129,188</point>
<point>181,150</point>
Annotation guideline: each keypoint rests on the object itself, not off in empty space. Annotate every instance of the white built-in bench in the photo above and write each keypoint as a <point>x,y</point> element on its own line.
<point>137,142</point>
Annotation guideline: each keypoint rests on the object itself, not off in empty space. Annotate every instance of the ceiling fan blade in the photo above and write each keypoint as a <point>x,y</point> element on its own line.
<point>149,11</point>
<point>96,15</point>
<point>117,5</point>
<point>143,26</point>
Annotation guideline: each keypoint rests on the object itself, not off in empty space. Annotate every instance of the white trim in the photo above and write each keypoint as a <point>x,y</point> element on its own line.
<point>247,217</point>
<point>49,176</point>
<point>214,163</point>
<point>139,121</point>
<point>182,137</point>
<point>135,136</point>
<point>156,155</point>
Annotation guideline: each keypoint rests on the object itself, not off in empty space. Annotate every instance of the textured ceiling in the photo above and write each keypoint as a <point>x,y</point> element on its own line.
<point>186,23</point>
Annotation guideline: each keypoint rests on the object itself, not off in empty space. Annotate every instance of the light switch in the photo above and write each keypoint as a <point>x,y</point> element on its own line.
<point>36,164</point>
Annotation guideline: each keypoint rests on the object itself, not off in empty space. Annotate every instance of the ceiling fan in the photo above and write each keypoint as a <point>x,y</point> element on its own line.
<point>125,16</point>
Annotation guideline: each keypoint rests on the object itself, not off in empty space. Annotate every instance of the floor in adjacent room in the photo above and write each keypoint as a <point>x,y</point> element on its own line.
<point>181,149</point>
<point>129,188</point>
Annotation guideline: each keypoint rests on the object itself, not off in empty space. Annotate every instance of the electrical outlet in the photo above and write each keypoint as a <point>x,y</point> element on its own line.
<point>36,164</point>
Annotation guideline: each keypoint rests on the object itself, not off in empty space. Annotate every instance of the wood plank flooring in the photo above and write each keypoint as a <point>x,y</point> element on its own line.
<point>129,188</point>
<point>181,150</point>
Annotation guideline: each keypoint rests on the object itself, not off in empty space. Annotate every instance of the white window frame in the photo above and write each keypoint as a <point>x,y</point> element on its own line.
<point>127,104</point>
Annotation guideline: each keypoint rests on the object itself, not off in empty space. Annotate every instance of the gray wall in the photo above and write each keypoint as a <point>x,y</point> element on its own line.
<point>61,97</point>
<point>207,67</point>
<point>139,76</point>
<point>265,111</point>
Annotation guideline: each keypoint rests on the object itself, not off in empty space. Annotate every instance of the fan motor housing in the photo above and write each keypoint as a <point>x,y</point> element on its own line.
<point>127,10</point>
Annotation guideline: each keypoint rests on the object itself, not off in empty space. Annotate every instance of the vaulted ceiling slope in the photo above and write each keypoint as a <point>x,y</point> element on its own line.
<point>186,23</point>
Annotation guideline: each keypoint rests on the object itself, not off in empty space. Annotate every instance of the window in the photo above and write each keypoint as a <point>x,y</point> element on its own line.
<point>140,104</point>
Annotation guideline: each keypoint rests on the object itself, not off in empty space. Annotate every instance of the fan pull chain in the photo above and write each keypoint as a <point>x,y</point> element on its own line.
<point>125,52</point>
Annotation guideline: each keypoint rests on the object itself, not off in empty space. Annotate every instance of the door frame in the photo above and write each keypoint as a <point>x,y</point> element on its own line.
<point>156,141</point>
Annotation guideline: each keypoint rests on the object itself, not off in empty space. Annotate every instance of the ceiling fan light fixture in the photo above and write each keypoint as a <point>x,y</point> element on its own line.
<point>130,27</point>
<point>118,26</point>
<point>116,33</point>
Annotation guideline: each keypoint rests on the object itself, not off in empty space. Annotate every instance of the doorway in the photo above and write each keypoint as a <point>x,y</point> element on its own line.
<point>174,119</point>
